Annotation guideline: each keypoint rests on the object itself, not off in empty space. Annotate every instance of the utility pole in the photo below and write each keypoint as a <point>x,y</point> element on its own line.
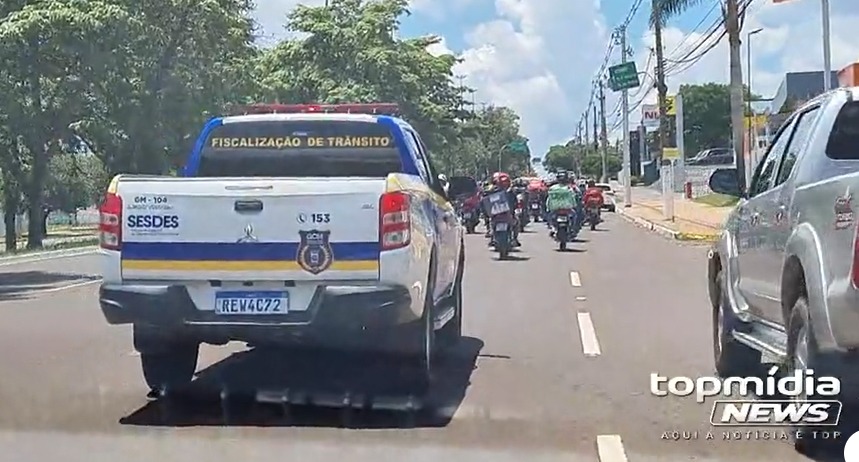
<point>662,89</point>
<point>596,137</point>
<point>587,124</point>
<point>627,161</point>
<point>604,134</point>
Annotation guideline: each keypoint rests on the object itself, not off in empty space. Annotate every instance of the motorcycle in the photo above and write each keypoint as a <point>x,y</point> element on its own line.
<point>564,231</point>
<point>535,210</point>
<point>592,215</point>
<point>469,214</point>
<point>501,222</point>
<point>522,218</point>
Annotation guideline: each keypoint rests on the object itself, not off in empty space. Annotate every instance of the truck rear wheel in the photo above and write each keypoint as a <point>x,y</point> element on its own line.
<point>451,333</point>
<point>803,355</point>
<point>170,369</point>
<point>422,378</point>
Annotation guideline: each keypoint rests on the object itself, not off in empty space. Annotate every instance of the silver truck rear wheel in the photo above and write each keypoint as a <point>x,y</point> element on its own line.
<point>171,369</point>
<point>802,355</point>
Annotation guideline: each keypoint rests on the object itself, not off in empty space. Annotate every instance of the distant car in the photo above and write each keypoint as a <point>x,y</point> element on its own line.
<point>714,156</point>
<point>610,203</point>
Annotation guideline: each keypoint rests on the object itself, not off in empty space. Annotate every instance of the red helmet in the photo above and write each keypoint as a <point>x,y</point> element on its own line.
<point>501,179</point>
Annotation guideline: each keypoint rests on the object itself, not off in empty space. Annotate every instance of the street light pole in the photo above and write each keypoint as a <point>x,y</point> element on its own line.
<point>752,119</point>
<point>827,47</point>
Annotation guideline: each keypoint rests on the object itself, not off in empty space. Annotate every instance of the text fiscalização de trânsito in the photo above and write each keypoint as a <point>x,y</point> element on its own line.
<point>281,142</point>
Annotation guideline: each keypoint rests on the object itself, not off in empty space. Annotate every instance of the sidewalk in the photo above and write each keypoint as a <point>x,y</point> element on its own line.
<point>692,220</point>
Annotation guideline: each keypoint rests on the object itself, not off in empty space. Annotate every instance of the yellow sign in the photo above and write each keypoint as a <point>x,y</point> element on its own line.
<point>670,153</point>
<point>669,105</point>
<point>285,142</point>
<point>759,121</point>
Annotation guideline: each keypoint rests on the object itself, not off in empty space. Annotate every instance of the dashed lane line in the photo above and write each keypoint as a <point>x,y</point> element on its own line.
<point>575,279</point>
<point>610,449</point>
<point>590,344</point>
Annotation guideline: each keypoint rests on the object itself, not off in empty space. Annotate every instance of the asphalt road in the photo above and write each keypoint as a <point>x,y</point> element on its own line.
<point>555,367</point>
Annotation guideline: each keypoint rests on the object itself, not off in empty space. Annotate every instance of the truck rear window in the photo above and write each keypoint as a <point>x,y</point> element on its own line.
<point>843,142</point>
<point>300,149</point>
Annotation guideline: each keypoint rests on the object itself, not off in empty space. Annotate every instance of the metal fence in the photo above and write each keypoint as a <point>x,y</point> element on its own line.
<point>85,217</point>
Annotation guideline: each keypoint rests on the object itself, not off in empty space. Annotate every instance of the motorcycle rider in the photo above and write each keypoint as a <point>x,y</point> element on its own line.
<point>501,182</point>
<point>560,196</point>
<point>594,195</point>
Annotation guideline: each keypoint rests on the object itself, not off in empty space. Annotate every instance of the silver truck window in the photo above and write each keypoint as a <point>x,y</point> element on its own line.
<point>843,143</point>
<point>766,170</point>
<point>300,148</point>
<point>803,129</point>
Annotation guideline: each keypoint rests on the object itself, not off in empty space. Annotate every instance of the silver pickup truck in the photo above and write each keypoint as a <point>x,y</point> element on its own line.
<point>784,275</point>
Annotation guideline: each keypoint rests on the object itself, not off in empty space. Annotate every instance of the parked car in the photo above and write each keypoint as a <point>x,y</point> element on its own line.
<point>784,275</point>
<point>610,202</point>
<point>714,156</point>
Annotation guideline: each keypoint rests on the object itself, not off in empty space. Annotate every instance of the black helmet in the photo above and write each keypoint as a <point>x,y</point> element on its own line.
<point>562,177</point>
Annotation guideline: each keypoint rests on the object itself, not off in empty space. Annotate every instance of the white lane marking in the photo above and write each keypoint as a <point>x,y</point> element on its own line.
<point>590,344</point>
<point>610,449</point>
<point>49,255</point>
<point>66,287</point>
<point>575,279</point>
<point>581,298</point>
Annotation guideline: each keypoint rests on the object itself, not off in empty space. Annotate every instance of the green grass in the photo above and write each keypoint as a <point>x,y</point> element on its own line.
<point>717,200</point>
<point>61,244</point>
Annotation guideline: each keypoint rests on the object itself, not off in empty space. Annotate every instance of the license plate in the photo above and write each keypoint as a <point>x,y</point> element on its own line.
<point>535,206</point>
<point>467,216</point>
<point>251,303</point>
<point>501,227</point>
<point>562,219</point>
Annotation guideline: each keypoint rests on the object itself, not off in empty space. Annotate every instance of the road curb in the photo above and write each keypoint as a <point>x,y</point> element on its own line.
<point>663,230</point>
<point>68,248</point>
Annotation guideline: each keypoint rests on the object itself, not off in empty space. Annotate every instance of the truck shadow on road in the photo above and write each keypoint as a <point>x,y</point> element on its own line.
<point>20,285</point>
<point>292,388</point>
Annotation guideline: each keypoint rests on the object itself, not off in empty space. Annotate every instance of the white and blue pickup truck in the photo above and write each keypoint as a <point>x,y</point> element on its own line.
<point>323,227</point>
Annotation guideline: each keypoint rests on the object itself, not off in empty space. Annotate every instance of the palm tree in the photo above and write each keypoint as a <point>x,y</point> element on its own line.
<point>661,11</point>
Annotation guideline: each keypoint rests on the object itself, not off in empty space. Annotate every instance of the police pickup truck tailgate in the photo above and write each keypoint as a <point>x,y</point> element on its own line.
<point>250,229</point>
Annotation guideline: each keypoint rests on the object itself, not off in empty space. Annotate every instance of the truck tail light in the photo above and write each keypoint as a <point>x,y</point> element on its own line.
<point>394,220</point>
<point>110,222</point>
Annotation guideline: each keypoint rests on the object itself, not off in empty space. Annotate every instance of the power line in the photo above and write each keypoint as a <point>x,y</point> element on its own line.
<point>600,74</point>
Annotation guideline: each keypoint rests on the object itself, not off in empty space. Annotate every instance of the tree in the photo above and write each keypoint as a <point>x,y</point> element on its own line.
<point>707,116</point>
<point>134,82</point>
<point>665,9</point>
<point>576,157</point>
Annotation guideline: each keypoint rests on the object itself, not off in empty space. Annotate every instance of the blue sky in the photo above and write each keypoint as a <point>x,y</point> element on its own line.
<point>540,56</point>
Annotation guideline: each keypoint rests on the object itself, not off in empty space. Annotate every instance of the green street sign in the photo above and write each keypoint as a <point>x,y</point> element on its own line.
<point>623,77</point>
<point>518,146</point>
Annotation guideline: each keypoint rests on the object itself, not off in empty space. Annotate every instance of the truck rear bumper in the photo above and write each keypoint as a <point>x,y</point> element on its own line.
<point>377,319</point>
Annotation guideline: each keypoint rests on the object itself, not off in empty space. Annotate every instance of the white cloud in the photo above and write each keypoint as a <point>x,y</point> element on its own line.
<point>440,48</point>
<point>538,57</point>
<point>271,15</point>
<point>791,41</point>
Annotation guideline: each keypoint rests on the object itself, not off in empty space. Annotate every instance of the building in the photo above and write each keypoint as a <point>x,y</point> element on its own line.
<point>797,88</point>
